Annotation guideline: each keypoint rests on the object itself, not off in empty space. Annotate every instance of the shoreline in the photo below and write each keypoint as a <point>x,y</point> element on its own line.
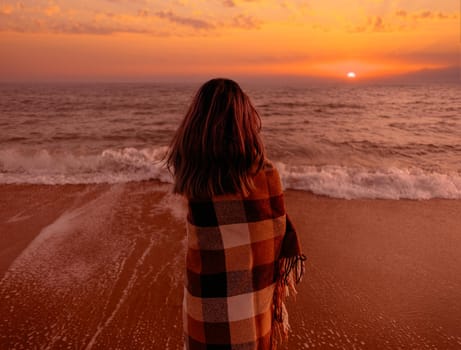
<point>103,264</point>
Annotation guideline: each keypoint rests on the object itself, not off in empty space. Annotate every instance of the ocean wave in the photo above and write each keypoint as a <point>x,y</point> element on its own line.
<point>109,166</point>
<point>358,182</point>
<point>131,164</point>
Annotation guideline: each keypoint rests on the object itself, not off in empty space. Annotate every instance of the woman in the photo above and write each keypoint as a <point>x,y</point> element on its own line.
<point>243,252</point>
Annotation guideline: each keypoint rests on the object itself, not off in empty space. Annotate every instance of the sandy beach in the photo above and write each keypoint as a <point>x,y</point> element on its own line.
<point>100,267</point>
<point>381,274</point>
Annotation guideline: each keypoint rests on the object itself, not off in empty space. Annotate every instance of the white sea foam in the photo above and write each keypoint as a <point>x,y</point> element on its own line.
<point>109,166</point>
<point>357,182</point>
<point>131,164</point>
<point>59,244</point>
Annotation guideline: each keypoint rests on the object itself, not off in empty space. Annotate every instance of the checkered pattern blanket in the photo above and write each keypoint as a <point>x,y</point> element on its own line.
<point>243,256</point>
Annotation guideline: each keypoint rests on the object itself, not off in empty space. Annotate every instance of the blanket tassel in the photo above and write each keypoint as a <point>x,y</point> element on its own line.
<point>289,272</point>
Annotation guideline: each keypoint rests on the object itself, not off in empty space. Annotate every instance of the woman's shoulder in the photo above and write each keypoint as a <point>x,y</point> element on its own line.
<point>263,170</point>
<point>268,165</point>
<point>267,181</point>
<point>270,169</point>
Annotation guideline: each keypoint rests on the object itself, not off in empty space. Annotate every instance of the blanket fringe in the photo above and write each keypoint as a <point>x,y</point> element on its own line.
<point>289,272</point>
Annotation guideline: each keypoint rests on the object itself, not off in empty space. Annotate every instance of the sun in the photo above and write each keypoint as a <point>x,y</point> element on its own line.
<point>351,75</point>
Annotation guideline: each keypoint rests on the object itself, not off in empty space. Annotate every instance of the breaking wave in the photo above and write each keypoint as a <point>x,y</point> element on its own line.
<point>109,166</point>
<point>358,182</point>
<point>131,164</point>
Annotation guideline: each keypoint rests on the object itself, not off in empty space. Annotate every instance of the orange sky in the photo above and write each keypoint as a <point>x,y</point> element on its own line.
<point>143,39</point>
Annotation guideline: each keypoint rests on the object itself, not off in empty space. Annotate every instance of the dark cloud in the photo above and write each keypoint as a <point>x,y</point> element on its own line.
<point>185,21</point>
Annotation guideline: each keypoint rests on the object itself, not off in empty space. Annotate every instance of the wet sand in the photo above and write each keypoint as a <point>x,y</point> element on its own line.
<point>381,274</point>
<point>101,272</point>
<point>100,267</point>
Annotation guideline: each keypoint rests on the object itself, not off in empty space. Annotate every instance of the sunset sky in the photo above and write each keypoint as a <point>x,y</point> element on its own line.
<point>143,39</point>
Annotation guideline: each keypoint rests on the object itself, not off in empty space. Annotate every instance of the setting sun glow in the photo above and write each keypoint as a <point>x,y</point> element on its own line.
<point>131,40</point>
<point>351,75</point>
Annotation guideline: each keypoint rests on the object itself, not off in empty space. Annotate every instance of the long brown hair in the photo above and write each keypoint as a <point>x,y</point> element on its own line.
<point>217,148</point>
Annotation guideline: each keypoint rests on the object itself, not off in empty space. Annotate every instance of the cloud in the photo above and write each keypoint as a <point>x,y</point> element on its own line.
<point>82,28</point>
<point>425,15</point>
<point>399,21</point>
<point>228,3</point>
<point>53,19</point>
<point>245,22</point>
<point>377,24</point>
<point>64,23</point>
<point>185,21</point>
<point>232,3</point>
<point>92,28</point>
<point>71,27</point>
<point>374,24</point>
<point>239,21</point>
<point>137,2</point>
<point>141,21</point>
<point>434,15</point>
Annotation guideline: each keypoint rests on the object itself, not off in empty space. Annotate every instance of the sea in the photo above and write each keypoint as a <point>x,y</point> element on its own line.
<point>343,141</point>
<point>93,242</point>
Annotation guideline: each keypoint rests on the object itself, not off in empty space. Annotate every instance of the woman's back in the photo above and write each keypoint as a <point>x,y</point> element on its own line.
<point>243,252</point>
<point>233,246</point>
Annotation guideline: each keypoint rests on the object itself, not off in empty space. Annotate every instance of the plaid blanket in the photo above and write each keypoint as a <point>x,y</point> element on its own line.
<point>243,257</point>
